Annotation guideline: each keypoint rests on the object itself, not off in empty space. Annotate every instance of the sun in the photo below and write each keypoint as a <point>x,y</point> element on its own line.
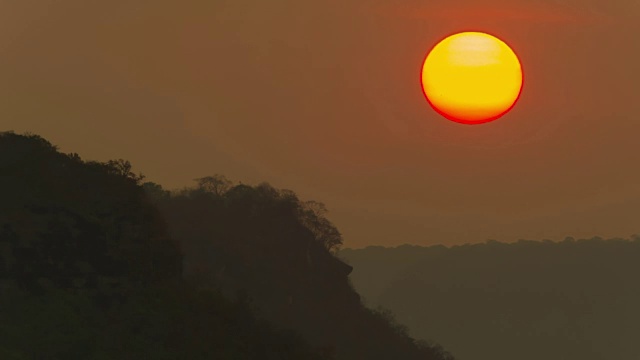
<point>472,78</point>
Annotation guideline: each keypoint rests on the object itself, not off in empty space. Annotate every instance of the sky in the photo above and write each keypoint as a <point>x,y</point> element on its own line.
<point>323,97</point>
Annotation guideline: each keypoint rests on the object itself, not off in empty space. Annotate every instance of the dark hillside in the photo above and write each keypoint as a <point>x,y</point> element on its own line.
<point>96,265</point>
<point>281,251</point>
<point>88,271</point>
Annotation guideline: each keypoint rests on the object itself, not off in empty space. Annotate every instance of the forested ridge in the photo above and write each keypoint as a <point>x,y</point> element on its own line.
<point>96,263</point>
<point>571,299</point>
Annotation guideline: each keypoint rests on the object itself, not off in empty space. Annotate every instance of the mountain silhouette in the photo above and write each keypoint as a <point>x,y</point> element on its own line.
<point>96,264</point>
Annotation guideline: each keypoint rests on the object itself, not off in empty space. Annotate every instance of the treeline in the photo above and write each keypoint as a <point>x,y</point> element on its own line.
<point>574,299</point>
<point>96,264</point>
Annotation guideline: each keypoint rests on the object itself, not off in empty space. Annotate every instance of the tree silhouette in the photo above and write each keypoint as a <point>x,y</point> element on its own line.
<point>216,184</point>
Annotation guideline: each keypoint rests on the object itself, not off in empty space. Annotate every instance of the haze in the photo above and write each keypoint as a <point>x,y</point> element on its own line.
<point>323,97</point>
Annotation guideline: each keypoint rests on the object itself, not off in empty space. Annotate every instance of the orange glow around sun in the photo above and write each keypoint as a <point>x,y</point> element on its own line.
<point>472,78</point>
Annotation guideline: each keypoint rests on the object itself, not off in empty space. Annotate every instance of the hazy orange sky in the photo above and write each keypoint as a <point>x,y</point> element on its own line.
<point>323,97</point>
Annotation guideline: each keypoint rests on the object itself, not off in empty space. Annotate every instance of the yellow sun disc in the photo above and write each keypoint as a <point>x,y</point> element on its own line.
<point>472,78</point>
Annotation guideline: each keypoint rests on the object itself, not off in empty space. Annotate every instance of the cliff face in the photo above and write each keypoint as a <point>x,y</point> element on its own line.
<point>259,246</point>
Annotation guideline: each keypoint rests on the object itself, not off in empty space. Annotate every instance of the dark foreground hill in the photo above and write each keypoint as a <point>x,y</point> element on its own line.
<point>90,269</point>
<point>527,300</point>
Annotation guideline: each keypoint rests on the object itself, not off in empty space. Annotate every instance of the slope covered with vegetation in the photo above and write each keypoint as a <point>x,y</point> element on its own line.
<point>281,251</point>
<point>88,271</point>
<point>96,264</point>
